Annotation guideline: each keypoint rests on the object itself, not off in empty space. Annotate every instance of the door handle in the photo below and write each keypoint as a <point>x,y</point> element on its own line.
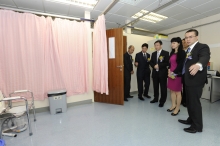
<point>120,66</point>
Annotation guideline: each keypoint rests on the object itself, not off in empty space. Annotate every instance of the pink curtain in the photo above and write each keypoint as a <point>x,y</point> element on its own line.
<point>40,54</point>
<point>68,56</point>
<point>100,57</point>
<point>22,41</point>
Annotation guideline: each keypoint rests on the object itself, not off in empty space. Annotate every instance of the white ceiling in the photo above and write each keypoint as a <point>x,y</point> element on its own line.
<point>181,12</point>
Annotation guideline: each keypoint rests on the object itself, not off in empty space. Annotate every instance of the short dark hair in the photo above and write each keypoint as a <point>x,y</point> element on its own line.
<point>183,39</point>
<point>158,41</point>
<point>193,30</point>
<point>145,45</point>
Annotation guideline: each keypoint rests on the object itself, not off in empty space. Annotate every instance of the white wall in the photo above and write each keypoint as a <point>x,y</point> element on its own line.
<point>136,41</point>
<point>208,34</point>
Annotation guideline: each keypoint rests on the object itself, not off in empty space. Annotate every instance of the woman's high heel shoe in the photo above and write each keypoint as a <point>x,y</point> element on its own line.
<point>171,109</point>
<point>175,114</point>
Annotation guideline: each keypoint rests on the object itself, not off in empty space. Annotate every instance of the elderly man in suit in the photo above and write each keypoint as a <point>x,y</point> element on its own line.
<point>195,75</point>
<point>128,71</point>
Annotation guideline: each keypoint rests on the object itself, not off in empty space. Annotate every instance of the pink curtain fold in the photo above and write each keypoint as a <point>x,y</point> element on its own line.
<point>40,54</point>
<point>22,41</point>
<point>100,57</point>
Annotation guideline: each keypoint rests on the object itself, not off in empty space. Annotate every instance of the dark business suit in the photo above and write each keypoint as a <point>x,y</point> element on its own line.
<point>128,67</point>
<point>194,84</point>
<point>143,73</point>
<point>183,102</point>
<point>160,77</point>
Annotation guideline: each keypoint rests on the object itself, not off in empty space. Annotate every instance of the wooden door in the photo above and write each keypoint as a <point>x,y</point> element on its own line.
<point>115,71</point>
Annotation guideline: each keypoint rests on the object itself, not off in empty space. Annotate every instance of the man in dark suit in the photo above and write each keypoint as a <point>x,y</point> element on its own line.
<point>159,63</point>
<point>128,70</point>
<point>183,102</point>
<point>195,71</point>
<point>142,61</point>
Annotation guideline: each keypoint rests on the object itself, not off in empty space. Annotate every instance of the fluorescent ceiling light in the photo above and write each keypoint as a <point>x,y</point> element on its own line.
<point>81,3</point>
<point>151,17</point>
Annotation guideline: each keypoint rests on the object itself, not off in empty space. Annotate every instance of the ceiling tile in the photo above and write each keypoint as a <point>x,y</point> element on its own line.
<point>193,18</point>
<point>174,25</point>
<point>144,3</point>
<point>116,7</point>
<point>95,14</point>
<point>128,10</point>
<point>207,6</point>
<point>193,3</point>
<point>157,4</point>
<point>56,8</point>
<point>102,5</point>
<point>152,6</point>
<point>171,11</point>
<point>142,24</point>
<point>30,4</point>
<point>9,3</point>
<point>212,12</point>
<point>117,19</point>
<point>185,15</point>
<point>110,25</point>
<point>164,2</point>
<point>77,11</point>
<point>167,21</point>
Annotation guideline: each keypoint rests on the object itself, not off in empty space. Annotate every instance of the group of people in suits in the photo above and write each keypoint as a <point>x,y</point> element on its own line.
<point>183,71</point>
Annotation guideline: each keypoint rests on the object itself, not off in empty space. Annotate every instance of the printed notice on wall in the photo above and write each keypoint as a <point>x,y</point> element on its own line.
<point>111,47</point>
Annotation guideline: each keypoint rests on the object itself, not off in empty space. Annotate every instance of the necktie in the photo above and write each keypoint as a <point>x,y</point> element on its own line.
<point>131,57</point>
<point>183,71</point>
<point>158,55</point>
<point>144,56</point>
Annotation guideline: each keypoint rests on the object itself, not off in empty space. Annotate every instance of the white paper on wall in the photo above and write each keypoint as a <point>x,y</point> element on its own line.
<point>111,47</point>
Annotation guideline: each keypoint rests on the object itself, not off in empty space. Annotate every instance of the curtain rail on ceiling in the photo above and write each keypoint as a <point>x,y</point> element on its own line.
<point>46,14</point>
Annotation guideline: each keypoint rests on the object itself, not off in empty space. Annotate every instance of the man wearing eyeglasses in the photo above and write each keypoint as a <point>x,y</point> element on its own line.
<point>195,74</point>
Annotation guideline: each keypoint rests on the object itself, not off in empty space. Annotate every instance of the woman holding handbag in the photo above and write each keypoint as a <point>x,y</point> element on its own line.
<point>177,58</point>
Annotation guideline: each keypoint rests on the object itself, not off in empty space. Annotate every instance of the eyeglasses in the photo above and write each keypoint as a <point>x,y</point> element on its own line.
<point>190,37</point>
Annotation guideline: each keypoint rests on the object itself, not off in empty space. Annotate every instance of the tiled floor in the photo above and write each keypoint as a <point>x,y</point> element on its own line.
<point>137,123</point>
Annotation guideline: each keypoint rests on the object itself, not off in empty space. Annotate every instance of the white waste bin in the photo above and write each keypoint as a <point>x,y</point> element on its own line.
<point>57,100</point>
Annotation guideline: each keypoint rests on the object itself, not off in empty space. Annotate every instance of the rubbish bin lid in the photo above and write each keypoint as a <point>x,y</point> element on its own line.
<point>57,91</point>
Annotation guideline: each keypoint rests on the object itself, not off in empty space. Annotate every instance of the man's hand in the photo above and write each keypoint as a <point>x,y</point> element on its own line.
<point>132,72</point>
<point>136,63</point>
<point>194,69</point>
<point>156,66</point>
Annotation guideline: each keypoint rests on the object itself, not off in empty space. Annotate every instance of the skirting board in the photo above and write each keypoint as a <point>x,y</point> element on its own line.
<point>47,109</point>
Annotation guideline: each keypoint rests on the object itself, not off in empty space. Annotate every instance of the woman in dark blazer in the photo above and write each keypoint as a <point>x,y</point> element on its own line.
<point>177,58</point>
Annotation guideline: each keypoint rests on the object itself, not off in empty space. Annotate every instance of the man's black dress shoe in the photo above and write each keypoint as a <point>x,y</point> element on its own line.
<point>147,96</point>
<point>191,130</point>
<point>141,98</point>
<point>185,122</point>
<point>170,110</point>
<point>161,105</point>
<point>125,99</point>
<point>175,114</point>
<point>130,96</point>
<point>153,101</point>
